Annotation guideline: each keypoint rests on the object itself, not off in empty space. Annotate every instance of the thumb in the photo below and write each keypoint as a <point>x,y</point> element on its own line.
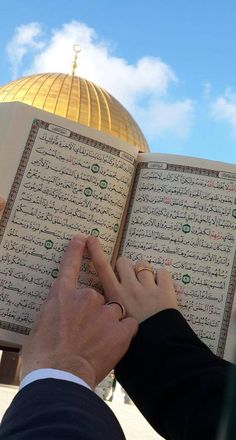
<point>126,330</point>
<point>129,328</point>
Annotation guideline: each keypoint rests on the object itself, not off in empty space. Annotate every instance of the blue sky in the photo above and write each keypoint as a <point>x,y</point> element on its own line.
<point>170,62</point>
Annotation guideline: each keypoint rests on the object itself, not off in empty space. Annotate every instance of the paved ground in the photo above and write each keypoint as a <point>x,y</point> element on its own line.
<point>6,396</point>
<point>132,422</point>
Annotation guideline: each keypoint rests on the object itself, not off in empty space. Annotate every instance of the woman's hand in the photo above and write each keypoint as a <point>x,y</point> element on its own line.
<point>144,294</point>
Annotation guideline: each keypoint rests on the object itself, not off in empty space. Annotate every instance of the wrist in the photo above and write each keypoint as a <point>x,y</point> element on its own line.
<point>51,373</point>
<point>77,366</point>
<point>161,308</point>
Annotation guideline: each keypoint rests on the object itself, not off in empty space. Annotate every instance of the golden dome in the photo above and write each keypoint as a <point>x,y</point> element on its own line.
<point>77,99</point>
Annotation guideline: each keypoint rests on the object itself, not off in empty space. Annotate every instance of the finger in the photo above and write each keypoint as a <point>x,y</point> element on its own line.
<point>71,261</point>
<point>117,308</point>
<point>144,272</point>
<point>125,271</point>
<point>129,327</point>
<point>103,268</point>
<point>125,332</point>
<point>90,297</point>
<point>166,288</point>
<point>163,278</point>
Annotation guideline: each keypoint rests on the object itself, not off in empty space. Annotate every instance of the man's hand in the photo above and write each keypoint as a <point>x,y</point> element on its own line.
<point>76,331</point>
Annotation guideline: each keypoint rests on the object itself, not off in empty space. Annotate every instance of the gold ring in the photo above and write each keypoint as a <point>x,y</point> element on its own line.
<point>139,269</point>
<point>121,307</point>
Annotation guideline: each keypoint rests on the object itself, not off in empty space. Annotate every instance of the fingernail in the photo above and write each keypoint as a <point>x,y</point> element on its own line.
<point>92,239</point>
<point>79,239</point>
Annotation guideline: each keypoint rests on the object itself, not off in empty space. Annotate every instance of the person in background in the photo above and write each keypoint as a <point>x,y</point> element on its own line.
<point>110,394</point>
<point>2,204</point>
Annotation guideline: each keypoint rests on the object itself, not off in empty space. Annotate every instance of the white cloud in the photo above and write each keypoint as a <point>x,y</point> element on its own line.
<point>23,41</point>
<point>164,118</point>
<point>224,109</point>
<point>143,87</point>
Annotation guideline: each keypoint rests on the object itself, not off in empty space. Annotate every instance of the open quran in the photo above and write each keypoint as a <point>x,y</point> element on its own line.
<point>60,178</point>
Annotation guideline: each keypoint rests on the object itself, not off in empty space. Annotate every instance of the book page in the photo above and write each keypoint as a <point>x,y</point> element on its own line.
<point>182,217</point>
<point>65,183</point>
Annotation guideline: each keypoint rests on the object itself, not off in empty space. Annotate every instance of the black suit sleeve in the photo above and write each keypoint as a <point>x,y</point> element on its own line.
<point>52,409</point>
<point>176,382</point>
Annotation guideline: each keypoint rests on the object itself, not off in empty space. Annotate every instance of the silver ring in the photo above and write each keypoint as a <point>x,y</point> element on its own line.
<point>121,307</point>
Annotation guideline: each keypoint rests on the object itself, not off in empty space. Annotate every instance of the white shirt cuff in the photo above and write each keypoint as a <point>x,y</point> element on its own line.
<point>51,373</point>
